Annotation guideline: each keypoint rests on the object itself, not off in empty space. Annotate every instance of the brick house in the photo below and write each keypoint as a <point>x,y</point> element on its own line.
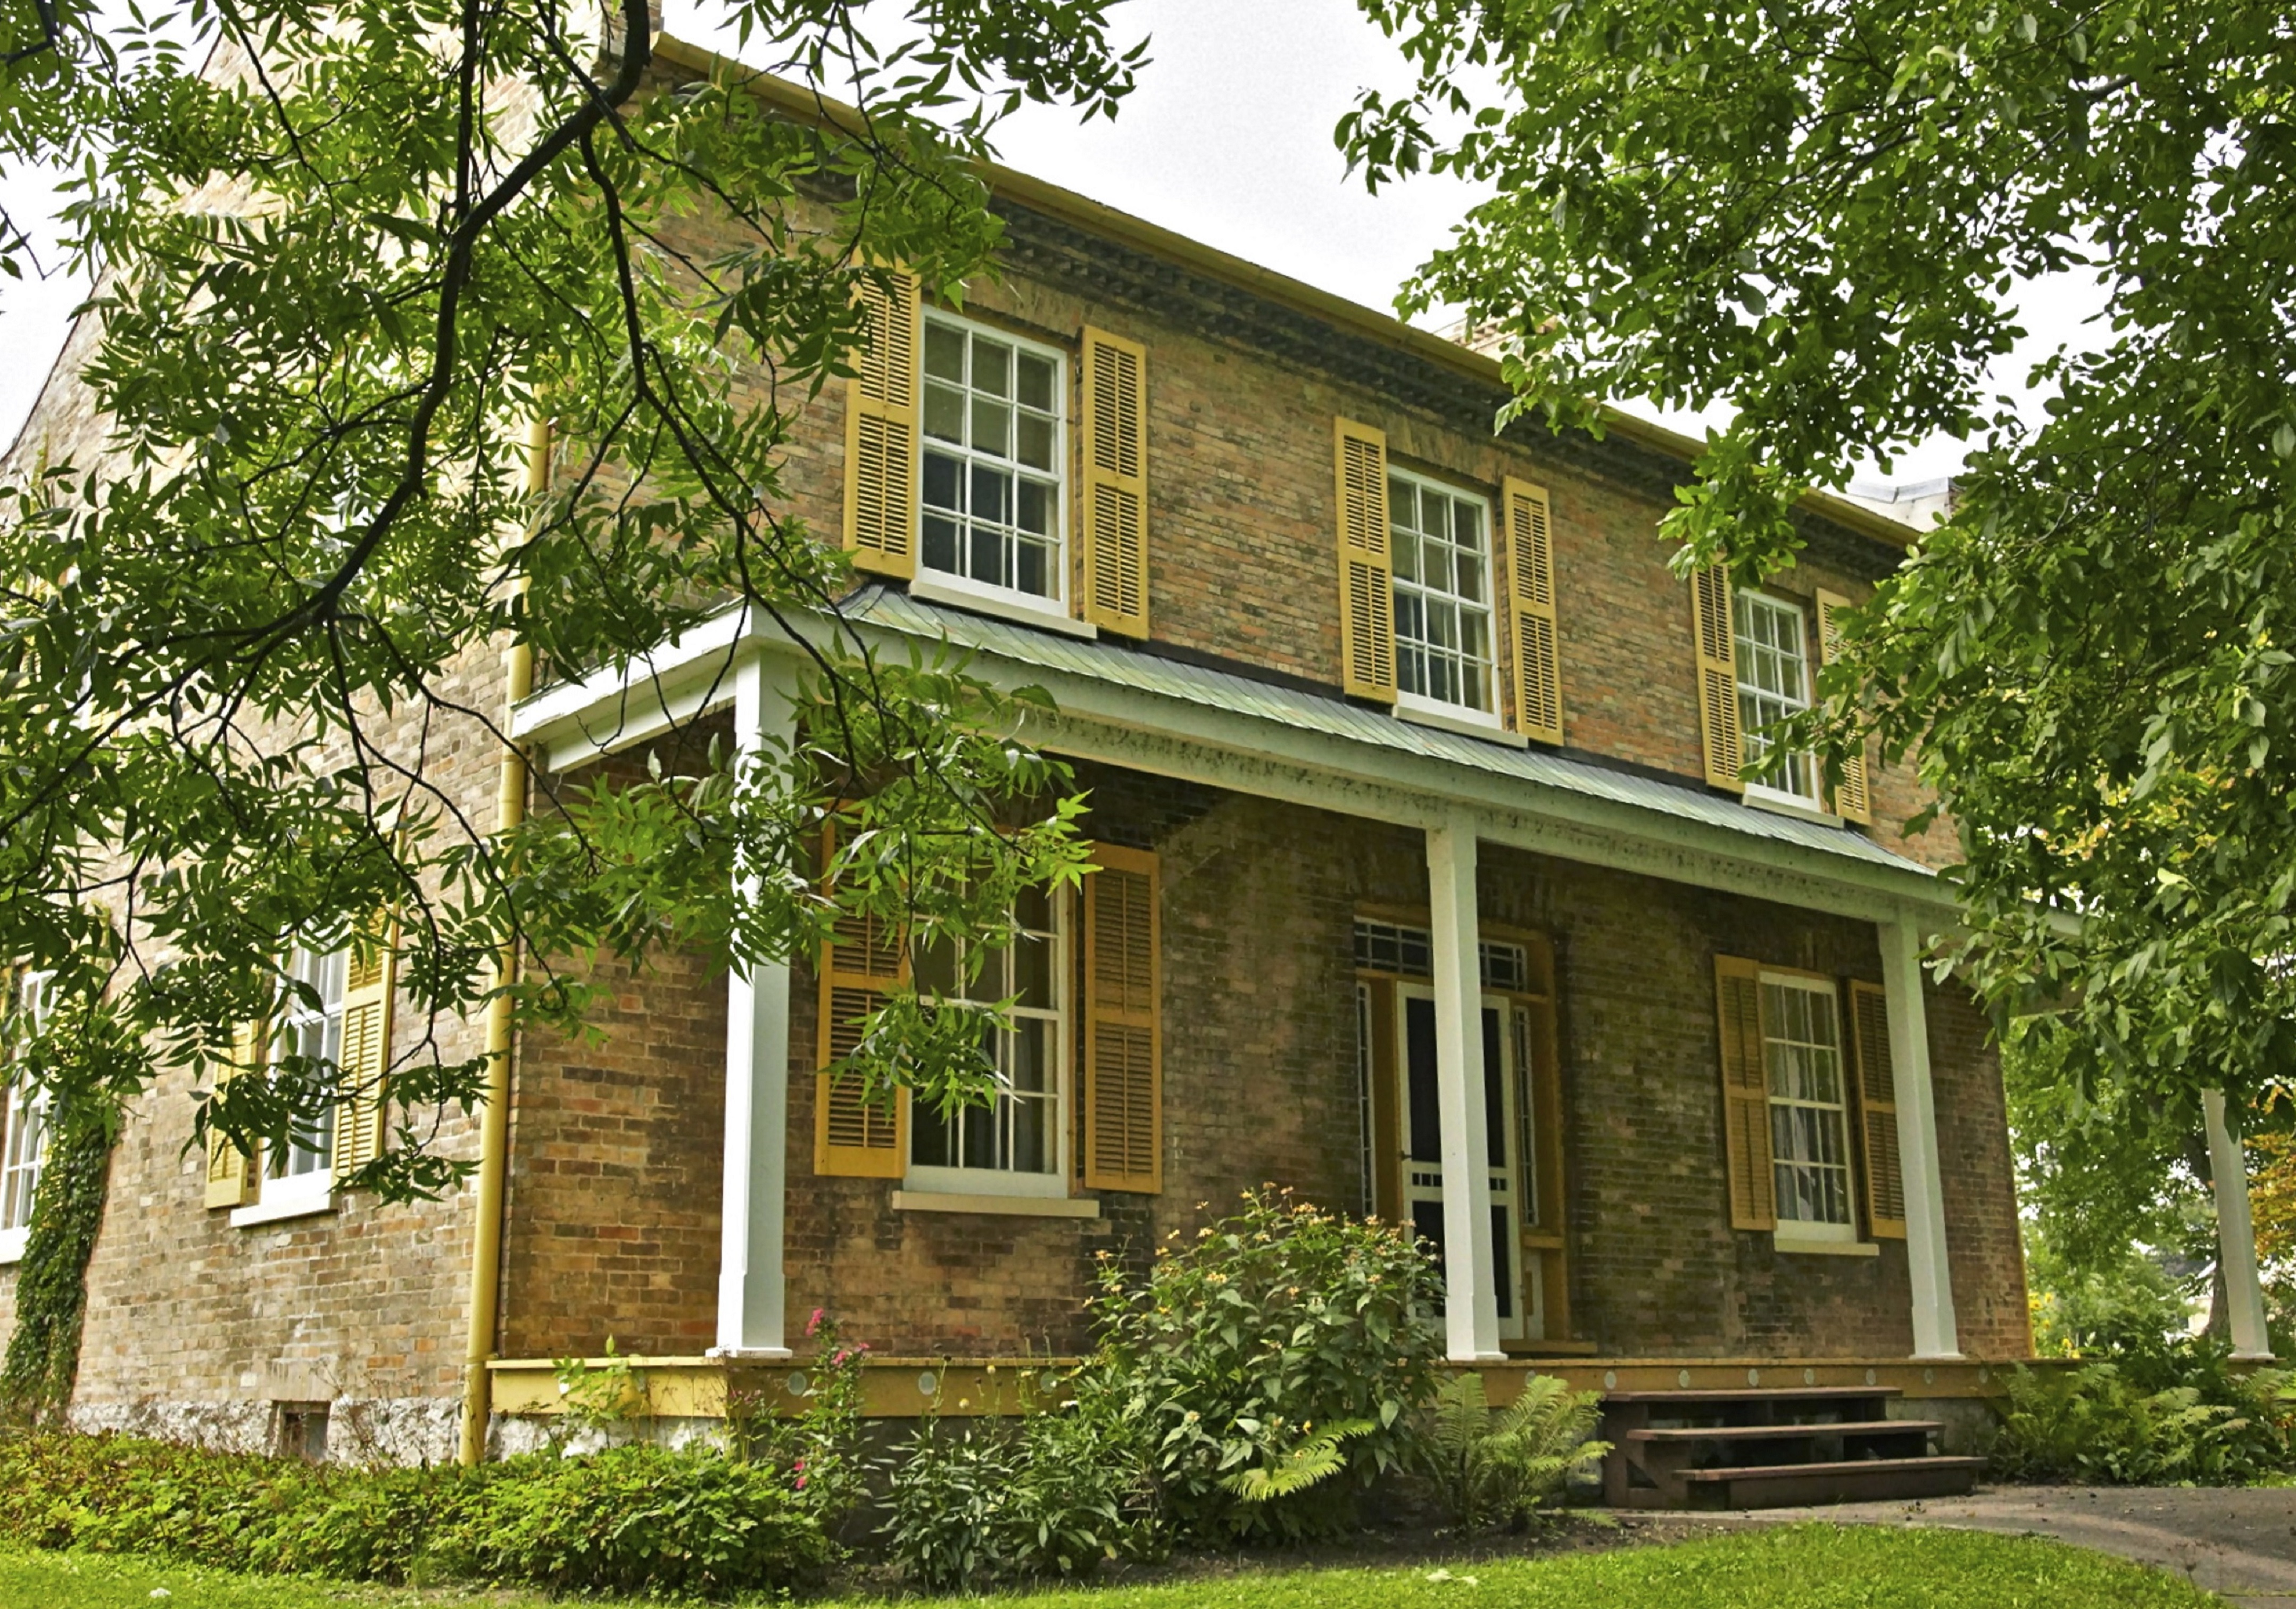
<point>1428,887</point>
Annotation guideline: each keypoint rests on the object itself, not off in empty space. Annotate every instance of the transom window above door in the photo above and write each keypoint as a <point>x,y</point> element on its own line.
<point>1441,550</point>
<point>993,454</point>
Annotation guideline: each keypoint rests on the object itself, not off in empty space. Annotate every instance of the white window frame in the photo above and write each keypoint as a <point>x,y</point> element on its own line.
<point>930,1179</point>
<point>1443,711</point>
<point>1805,1229</point>
<point>27,1113</point>
<point>955,585</point>
<point>308,1189</point>
<point>1744,602</point>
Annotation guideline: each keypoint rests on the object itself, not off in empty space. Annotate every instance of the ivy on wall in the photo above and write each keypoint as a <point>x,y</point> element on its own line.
<point>36,1381</point>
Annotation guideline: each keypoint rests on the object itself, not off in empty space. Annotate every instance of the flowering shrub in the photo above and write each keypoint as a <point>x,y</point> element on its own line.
<point>1271,1369</point>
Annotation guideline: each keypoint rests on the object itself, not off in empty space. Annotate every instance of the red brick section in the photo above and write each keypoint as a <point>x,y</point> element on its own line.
<point>1243,525</point>
<point>1261,1086</point>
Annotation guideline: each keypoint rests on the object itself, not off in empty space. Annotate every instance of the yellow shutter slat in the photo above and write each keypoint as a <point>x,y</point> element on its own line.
<point>1115,494</point>
<point>1123,1040</point>
<point>1716,648</point>
<point>1745,1094</point>
<point>854,1137</point>
<point>1367,583</point>
<point>1528,564</point>
<point>880,432</point>
<point>230,1181</point>
<point>368,986</point>
<point>1877,1112</point>
<point>1852,799</point>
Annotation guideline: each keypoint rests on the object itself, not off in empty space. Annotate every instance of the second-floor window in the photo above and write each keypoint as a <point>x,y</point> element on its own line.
<point>1773,684</point>
<point>992,451</point>
<point>1440,542</point>
<point>1011,1146</point>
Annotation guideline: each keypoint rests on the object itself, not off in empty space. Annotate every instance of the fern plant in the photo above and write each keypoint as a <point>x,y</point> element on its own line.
<point>1296,1468</point>
<point>1491,1468</point>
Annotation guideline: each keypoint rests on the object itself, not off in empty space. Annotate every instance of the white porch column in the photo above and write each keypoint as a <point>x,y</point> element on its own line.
<point>1470,1303</point>
<point>1935,1332</point>
<point>749,1296</point>
<point>2235,1232</point>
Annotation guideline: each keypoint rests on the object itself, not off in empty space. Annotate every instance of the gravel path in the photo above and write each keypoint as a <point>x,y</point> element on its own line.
<point>2239,1543</point>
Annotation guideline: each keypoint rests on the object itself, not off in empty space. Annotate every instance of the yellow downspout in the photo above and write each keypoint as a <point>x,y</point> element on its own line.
<point>494,1121</point>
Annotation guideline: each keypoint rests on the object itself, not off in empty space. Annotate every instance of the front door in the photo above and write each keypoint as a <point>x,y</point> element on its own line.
<point>1423,1147</point>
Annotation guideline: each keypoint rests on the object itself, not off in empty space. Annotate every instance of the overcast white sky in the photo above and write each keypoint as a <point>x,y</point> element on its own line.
<point>1228,140</point>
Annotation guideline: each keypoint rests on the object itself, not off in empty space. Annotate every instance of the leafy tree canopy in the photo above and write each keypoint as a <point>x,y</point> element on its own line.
<point>348,251</point>
<point>1823,216</point>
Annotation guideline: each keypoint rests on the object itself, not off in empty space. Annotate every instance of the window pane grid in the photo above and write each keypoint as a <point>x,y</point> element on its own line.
<point>1441,551</point>
<point>1019,1132</point>
<point>27,1116</point>
<point>1773,681</point>
<point>317,1034</point>
<point>1809,1116</point>
<point>992,503</point>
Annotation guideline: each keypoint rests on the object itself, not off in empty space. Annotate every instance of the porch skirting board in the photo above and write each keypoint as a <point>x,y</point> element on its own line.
<point>901,1388</point>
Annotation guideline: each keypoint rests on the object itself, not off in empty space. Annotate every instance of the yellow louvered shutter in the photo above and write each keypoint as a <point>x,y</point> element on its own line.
<point>1115,483</point>
<point>369,981</point>
<point>1528,565</point>
<point>1745,1094</point>
<point>1717,647</point>
<point>1877,1112</point>
<point>1123,1037</point>
<point>881,433</point>
<point>854,1137</point>
<point>1366,567</point>
<point>231,1179</point>
<point>1851,797</point>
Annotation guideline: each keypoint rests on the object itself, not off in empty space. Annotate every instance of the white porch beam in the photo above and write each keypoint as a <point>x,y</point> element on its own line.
<point>2235,1232</point>
<point>1936,1333</point>
<point>1470,1314</point>
<point>751,1299</point>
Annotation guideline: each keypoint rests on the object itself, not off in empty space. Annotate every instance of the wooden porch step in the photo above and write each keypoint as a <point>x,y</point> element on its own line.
<point>1852,1480</point>
<point>1769,1432</point>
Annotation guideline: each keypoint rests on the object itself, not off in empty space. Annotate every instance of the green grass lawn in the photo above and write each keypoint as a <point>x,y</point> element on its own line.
<point>1805,1567</point>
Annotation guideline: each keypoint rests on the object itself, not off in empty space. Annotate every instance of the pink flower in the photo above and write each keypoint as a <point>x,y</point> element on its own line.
<point>813,1324</point>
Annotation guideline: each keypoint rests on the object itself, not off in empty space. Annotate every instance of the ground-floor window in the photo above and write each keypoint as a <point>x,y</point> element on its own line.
<point>24,1142</point>
<point>1014,1145</point>
<point>1809,1137</point>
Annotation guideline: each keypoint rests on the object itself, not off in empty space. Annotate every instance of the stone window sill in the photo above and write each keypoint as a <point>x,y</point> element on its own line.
<point>1824,1248</point>
<point>280,1203</point>
<point>11,1244</point>
<point>959,593</point>
<point>1450,718</point>
<point>1003,1206</point>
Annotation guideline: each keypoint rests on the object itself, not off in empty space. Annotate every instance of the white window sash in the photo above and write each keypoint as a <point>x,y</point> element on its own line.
<point>1486,661</point>
<point>1055,601</point>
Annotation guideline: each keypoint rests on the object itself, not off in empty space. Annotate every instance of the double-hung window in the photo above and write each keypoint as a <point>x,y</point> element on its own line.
<point>298,1177</point>
<point>24,1146</point>
<point>1773,647</point>
<point>1016,1144</point>
<point>1809,1137</point>
<point>1442,548</point>
<point>993,454</point>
